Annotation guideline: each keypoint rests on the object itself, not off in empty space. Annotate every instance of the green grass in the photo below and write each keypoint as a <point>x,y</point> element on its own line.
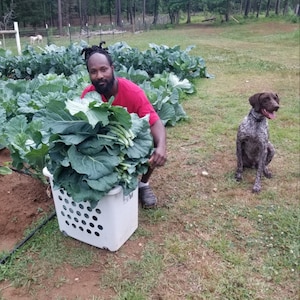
<point>210,238</point>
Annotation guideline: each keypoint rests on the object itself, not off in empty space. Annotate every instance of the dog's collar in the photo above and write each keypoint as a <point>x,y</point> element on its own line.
<point>257,116</point>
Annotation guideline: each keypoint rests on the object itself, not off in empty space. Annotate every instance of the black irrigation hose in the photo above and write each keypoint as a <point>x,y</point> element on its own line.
<point>4,260</point>
<point>21,171</point>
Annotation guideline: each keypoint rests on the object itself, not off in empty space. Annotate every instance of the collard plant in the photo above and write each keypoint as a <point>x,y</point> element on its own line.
<point>65,60</point>
<point>159,59</point>
<point>95,146</point>
<point>19,101</point>
<point>51,59</point>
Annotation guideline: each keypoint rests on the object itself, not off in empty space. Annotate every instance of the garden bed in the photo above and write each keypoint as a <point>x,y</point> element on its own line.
<point>24,201</point>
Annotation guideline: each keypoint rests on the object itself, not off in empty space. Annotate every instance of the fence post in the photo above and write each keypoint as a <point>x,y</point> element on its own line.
<point>16,28</point>
<point>88,32</point>
<point>100,32</point>
<point>47,32</point>
<point>70,33</point>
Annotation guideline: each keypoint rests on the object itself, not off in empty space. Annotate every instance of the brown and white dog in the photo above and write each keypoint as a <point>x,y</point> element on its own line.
<point>253,148</point>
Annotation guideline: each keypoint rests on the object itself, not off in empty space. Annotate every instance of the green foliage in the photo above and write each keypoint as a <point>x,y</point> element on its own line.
<point>20,100</point>
<point>66,60</point>
<point>95,146</point>
<point>52,59</point>
<point>159,59</point>
<point>29,11</point>
<point>5,170</point>
<point>25,142</point>
<point>164,92</point>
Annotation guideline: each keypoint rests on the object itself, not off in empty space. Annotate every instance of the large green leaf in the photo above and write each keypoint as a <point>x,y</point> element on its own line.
<point>37,157</point>
<point>104,183</point>
<point>60,121</point>
<point>74,139</point>
<point>94,144</point>
<point>93,166</point>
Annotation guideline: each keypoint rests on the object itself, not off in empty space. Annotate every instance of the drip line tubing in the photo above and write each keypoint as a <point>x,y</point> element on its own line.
<point>4,260</point>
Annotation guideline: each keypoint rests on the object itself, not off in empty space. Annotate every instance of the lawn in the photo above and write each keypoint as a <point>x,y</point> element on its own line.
<point>210,237</point>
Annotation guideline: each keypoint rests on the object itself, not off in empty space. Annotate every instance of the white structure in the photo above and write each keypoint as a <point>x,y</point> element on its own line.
<point>16,31</point>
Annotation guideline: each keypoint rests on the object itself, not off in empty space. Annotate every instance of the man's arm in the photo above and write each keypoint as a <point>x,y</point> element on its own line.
<point>159,156</point>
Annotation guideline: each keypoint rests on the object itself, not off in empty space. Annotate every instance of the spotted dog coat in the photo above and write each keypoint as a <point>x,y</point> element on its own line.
<point>253,148</point>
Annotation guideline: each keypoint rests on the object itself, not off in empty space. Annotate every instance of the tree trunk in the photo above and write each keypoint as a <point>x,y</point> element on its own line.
<point>247,7</point>
<point>59,17</point>
<point>188,21</point>
<point>155,11</point>
<point>268,8</point>
<point>129,12</point>
<point>144,11</point>
<point>258,8</point>
<point>118,13</point>
<point>95,12</point>
<point>227,14</point>
<point>285,7</point>
<point>277,7</point>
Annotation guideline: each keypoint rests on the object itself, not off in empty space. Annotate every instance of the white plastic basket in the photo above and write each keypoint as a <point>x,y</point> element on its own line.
<point>108,226</point>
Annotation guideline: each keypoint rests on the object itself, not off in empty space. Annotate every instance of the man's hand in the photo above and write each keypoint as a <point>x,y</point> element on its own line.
<point>157,159</point>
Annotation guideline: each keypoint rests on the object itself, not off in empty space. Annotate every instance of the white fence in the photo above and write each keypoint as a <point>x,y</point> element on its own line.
<point>17,34</point>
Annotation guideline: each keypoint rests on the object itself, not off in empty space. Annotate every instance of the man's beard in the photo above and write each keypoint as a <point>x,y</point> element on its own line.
<point>104,86</point>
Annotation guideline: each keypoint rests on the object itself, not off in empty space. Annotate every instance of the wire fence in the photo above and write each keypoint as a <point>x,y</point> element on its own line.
<point>101,31</point>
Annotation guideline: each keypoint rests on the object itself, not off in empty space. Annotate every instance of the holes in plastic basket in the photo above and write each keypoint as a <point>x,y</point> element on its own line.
<point>60,197</point>
<point>80,217</point>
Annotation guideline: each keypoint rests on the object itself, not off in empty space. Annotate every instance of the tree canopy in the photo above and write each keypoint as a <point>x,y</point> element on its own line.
<point>80,12</point>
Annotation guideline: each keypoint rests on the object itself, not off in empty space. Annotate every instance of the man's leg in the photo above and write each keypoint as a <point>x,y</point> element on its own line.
<point>146,195</point>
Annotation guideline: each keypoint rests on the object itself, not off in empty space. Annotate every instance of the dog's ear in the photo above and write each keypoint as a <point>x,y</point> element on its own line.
<point>276,98</point>
<point>254,101</point>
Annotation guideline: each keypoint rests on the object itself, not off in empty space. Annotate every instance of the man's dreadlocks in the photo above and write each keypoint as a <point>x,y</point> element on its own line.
<point>88,52</point>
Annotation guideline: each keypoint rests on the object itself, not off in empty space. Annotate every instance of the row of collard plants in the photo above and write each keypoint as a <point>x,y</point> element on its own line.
<point>45,123</point>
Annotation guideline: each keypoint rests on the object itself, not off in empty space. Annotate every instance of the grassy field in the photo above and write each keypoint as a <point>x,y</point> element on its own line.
<point>210,237</point>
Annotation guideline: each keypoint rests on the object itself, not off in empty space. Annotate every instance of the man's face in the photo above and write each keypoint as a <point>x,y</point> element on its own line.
<point>101,73</point>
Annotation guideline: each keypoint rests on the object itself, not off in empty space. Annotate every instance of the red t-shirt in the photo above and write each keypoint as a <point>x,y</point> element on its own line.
<point>132,97</point>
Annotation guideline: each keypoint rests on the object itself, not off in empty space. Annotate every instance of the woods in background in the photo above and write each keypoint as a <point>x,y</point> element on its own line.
<point>58,13</point>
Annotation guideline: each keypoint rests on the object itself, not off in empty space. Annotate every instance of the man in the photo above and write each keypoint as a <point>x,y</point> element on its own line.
<point>127,94</point>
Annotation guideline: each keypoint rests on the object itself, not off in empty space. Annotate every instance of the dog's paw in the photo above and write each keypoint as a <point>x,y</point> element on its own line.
<point>256,188</point>
<point>238,176</point>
